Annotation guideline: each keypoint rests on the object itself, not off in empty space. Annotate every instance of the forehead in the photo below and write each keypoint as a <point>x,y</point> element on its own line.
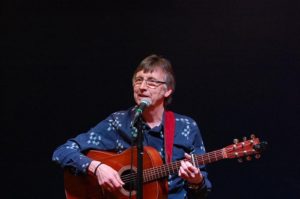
<point>156,73</point>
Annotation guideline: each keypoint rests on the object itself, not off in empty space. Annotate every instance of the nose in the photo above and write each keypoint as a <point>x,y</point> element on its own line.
<point>143,85</point>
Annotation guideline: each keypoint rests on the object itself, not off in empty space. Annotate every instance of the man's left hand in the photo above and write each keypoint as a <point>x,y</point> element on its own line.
<point>189,172</point>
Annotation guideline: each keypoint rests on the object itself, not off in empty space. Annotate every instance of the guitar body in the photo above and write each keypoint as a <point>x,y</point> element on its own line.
<point>87,187</point>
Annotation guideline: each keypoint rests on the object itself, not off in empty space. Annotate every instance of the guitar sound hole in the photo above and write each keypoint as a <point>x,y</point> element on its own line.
<point>129,178</point>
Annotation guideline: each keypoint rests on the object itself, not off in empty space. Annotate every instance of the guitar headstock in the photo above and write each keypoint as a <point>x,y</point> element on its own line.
<point>245,148</point>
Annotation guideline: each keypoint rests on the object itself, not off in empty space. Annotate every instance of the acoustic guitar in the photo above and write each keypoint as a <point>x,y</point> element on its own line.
<point>155,173</point>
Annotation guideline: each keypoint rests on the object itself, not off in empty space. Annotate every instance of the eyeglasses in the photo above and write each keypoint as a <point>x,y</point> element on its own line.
<point>150,83</point>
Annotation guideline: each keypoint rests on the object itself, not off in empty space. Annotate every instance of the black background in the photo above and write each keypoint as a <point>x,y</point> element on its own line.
<point>66,65</point>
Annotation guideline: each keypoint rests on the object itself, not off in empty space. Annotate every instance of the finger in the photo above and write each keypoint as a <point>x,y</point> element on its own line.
<point>184,165</point>
<point>182,173</point>
<point>191,167</point>
<point>108,185</point>
<point>186,174</point>
<point>191,174</point>
<point>190,170</point>
<point>115,184</point>
<point>118,183</point>
<point>187,156</point>
<point>108,189</point>
<point>119,179</point>
<point>106,182</point>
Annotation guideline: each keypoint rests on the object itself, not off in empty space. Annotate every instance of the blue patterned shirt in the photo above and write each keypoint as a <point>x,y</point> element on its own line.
<point>115,134</point>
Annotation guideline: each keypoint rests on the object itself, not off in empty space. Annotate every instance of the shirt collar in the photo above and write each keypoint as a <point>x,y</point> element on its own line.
<point>158,128</point>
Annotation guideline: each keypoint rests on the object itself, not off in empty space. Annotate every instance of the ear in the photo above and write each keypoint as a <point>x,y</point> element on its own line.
<point>168,92</point>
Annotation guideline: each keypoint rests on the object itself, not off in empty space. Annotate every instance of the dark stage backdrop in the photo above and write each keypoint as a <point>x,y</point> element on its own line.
<point>66,65</point>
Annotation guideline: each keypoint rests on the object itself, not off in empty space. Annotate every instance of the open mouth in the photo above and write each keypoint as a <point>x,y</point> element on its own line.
<point>143,96</point>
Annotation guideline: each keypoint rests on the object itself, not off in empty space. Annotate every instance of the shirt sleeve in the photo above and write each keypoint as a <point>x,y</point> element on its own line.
<point>101,137</point>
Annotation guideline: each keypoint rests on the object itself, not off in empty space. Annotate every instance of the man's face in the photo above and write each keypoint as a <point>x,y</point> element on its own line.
<point>151,85</point>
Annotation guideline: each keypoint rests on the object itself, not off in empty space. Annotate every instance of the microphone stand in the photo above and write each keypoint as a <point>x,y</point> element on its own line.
<point>140,151</point>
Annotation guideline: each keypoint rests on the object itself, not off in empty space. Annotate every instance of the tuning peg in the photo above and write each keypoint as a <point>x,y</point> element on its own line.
<point>235,141</point>
<point>248,158</point>
<point>240,160</point>
<point>257,156</point>
<point>244,138</point>
<point>252,136</point>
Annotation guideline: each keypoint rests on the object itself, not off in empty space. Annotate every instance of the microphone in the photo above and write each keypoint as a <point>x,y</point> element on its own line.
<point>139,110</point>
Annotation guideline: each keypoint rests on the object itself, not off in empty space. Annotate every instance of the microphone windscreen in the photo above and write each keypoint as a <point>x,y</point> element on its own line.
<point>146,101</point>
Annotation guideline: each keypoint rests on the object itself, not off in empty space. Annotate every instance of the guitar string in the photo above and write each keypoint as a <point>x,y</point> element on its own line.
<point>148,176</point>
<point>205,158</point>
<point>153,171</point>
<point>166,169</point>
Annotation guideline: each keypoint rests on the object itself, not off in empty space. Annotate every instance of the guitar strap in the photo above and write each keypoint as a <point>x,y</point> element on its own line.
<point>169,134</point>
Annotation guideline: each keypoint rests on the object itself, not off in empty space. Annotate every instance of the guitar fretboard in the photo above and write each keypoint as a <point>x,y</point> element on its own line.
<point>165,170</point>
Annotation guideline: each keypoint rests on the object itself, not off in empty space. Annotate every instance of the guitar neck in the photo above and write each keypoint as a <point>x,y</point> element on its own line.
<point>171,168</point>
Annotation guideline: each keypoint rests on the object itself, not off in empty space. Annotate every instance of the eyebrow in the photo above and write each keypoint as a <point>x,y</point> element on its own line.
<point>150,78</point>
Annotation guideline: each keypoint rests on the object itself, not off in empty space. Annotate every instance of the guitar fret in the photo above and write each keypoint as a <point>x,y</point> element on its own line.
<point>157,172</point>
<point>171,169</point>
<point>211,156</point>
<point>197,163</point>
<point>216,156</point>
<point>163,170</point>
<point>145,176</point>
<point>202,162</point>
<point>167,170</point>
<point>174,167</point>
<point>208,158</point>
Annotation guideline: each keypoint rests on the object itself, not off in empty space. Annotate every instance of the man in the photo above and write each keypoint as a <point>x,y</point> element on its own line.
<point>153,81</point>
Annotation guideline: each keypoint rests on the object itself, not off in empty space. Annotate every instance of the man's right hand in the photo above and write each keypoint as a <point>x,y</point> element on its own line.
<point>108,178</point>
